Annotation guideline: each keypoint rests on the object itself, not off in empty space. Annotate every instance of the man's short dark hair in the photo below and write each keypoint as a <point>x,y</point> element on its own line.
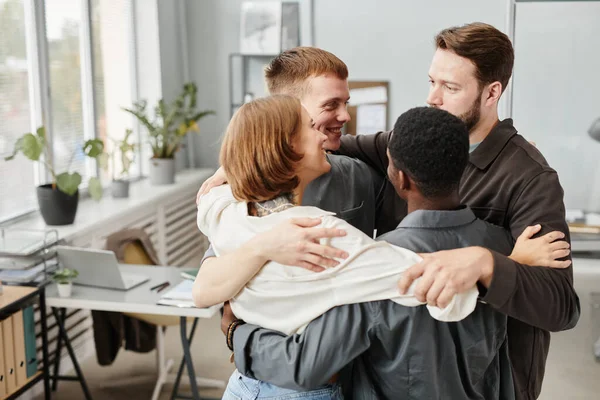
<point>432,147</point>
<point>490,50</point>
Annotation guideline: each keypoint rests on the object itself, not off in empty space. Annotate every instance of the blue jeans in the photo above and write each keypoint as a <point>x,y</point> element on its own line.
<point>241,387</point>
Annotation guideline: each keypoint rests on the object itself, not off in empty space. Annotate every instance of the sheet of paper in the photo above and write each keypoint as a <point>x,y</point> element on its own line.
<point>376,94</point>
<point>183,291</point>
<point>370,118</point>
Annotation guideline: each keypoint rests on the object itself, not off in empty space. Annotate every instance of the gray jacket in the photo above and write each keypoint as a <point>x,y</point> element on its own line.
<point>398,352</point>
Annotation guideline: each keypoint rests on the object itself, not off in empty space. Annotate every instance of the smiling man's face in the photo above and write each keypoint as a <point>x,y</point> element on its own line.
<point>325,98</point>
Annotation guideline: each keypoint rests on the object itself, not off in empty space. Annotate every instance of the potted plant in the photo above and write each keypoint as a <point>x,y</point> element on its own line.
<point>58,200</point>
<point>125,153</point>
<point>166,130</point>
<point>64,281</point>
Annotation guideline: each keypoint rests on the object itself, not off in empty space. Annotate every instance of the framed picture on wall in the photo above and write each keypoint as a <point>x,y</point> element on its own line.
<point>260,29</point>
<point>268,27</point>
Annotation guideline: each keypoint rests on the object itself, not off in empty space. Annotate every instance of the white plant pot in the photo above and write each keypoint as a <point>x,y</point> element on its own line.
<point>64,289</point>
<point>119,189</point>
<point>162,171</point>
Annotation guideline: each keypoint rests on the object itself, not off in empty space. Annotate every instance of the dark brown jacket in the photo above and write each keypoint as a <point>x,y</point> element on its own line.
<point>113,329</point>
<point>509,183</point>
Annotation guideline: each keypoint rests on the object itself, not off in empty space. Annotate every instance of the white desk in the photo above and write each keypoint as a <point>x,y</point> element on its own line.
<point>139,299</point>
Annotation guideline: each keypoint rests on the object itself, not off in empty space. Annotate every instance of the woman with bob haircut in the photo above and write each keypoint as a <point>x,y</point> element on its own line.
<point>270,153</point>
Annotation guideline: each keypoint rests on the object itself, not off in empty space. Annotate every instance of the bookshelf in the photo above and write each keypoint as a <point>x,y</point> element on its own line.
<point>25,260</point>
<point>13,300</point>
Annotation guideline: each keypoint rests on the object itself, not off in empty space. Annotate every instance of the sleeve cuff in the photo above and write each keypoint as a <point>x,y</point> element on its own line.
<point>504,280</point>
<point>208,254</point>
<point>241,338</point>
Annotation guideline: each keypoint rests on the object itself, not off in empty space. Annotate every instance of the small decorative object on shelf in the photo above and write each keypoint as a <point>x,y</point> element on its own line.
<point>58,200</point>
<point>167,129</point>
<point>64,281</point>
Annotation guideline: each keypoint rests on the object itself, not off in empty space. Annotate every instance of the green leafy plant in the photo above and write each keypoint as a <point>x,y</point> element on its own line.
<point>33,146</point>
<point>64,275</point>
<point>122,149</point>
<point>171,122</point>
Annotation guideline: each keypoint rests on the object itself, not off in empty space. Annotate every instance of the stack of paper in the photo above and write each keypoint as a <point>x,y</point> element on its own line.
<point>27,275</point>
<point>180,295</point>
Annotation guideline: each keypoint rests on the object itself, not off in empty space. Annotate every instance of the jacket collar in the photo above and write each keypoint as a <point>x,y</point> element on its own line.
<point>438,219</point>
<point>493,144</point>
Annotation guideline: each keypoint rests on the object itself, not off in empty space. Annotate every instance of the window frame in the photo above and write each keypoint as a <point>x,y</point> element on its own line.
<point>40,90</point>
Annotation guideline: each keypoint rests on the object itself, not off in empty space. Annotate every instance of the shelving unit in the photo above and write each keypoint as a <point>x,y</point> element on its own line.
<point>236,94</point>
<point>23,249</point>
<point>14,299</point>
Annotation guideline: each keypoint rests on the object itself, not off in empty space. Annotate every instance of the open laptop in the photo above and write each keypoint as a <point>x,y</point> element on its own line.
<point>97,268</point>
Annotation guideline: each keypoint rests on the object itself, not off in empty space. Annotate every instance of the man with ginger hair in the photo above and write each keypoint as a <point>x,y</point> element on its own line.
<point>319,80</point>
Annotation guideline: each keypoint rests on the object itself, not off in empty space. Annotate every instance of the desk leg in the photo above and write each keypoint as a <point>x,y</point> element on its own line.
<point>63,313</point>
<point>187,359</point>
<point>46,369</point>
<point>63,333</point>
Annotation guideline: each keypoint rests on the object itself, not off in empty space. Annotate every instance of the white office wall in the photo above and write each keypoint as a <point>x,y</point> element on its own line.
<point>556,89</point>
<point>379,40</point>
<point>393,40</point>
<point>556,63</point>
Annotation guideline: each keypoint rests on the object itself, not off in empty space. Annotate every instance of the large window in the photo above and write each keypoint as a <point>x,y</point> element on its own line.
<point>17,185</point>
<point>68,64</point>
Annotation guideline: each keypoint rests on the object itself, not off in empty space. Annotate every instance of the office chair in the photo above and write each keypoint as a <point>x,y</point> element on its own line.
<point>133,246</point>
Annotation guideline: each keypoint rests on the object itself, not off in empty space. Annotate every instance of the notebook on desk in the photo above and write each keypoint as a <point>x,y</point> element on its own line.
<point>179,296</point>
<point>182,291</point>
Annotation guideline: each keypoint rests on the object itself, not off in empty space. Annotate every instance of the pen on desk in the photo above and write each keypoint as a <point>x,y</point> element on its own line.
<point>163,287</point>
<point>159,285</point>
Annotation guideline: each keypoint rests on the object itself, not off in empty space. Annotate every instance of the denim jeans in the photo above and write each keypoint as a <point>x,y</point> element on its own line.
<point>241,387</point>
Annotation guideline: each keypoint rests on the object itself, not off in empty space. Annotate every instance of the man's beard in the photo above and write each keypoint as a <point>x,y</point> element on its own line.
<point>473,115</point>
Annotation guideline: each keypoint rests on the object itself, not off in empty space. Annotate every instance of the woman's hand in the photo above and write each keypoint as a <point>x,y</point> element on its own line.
<point>219,178</point>
<point>296,243</point>
<point>544,251</point>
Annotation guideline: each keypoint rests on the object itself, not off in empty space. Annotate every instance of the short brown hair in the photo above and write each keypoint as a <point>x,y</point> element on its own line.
<point>288,72</point>
<point>489,49</point>
<point>257,152</point>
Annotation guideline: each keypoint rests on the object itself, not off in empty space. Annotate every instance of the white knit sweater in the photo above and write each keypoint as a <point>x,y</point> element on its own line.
<point>287,298</point>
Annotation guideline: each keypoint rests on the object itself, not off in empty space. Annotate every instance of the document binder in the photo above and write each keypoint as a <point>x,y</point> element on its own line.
<point>2,369</point>
<point>9,356</point>
<point>30,344</point>
<point>19,346</point>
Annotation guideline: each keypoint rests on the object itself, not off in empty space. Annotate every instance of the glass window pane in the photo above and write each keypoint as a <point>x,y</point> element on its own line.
<point>110,22</point>
<point>63,21</point>
<point>16,176</point>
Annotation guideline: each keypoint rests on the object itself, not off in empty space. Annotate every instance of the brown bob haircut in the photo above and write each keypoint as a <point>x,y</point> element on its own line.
<point>489,49</point>
<point>288,72</point>
<point>257,152</point>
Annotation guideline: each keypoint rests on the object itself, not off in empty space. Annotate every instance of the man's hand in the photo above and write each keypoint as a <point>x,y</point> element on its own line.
<point>544,251</point>
<point>445,273</point>
<point>219,178</point>
<point>227,318</point>
<point>296,243</point>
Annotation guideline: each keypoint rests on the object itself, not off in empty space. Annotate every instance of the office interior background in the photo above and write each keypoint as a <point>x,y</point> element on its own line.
<point>97,56</point>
